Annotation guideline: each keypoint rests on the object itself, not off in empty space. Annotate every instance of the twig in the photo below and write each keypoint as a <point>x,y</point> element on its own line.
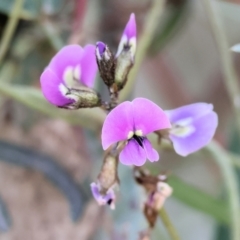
<point>168,225</point>
<point>230,76</point>
<point>10,28</point>
<point>152,22</point>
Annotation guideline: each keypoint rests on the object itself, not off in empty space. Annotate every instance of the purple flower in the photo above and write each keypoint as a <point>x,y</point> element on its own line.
<point>128,40</point>
<point>193,127</point>
<point>131,122</point>
<point>71,67</point>
<point>103,199</point>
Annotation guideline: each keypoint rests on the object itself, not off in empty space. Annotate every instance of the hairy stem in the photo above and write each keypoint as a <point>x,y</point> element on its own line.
<point>10,28</point>
<point>168,225</point>
<point>152,22</point>
<point>230,76</point>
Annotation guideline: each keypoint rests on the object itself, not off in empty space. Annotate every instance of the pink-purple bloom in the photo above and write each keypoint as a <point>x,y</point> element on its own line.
<point>70,68</point>
<point>129,37</point>
<point>193,127</point>
<point>103,199</point>
<point>131,122</point>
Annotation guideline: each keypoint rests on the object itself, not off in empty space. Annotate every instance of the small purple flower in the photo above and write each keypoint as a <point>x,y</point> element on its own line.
<point>193,127</point>
<point>128,40</point>
<point>131,122</point>
<point>70,67</point>
<point>103,199</point>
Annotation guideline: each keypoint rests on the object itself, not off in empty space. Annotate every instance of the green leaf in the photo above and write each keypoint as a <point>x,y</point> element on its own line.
<point>32,98</point>
<point>174,19</point>
<point>199,200</point>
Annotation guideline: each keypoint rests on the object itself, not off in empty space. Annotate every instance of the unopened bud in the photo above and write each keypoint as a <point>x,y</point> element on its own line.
<point>105,61</point>
<point>123,65</point>
<point>126,53</point>
<point>155,202</point>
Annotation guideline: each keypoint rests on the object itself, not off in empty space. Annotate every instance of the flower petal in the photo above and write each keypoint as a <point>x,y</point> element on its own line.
<point>133,154</point>
<point>148,117</point>
<point>191,111</point>
<point>129,37</point>
<point>151,153</point>
<point>50,85</point>
<point>117,125</point>
<point>205,128</point>
<point>108,198</point>
<point>88,65</point>
<point>68,56</point>
<point>130,30</point>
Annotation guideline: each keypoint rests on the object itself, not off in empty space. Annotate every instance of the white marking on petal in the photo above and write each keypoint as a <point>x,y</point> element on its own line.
<point>71,76</point>
<point>123,42</point>
<point>68,76</point>
<point>182,131</point>
<point>130,135</point>
<point>98,54</point>
<point>184,122</point>
<point>139,133</point>
<point>65,92</point>
<point>77,73</point>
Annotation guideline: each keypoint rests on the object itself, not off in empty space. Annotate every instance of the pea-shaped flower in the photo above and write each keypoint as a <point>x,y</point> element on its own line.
<point>71,68</point>
<point>131,122</point>
<point>193,127</point>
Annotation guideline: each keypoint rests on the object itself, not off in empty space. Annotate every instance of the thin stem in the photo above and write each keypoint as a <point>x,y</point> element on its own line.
<point>152,22</point>
<point>230,76</point>
<point>230,179</point>
<point>167,223</point>
<point>10,28</point>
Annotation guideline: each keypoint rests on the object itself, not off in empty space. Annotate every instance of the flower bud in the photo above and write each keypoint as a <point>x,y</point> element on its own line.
<point>105,61</point>
<point>126,53</point>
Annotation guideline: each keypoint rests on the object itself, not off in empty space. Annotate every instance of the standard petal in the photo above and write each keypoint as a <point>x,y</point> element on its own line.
<point>88,66</point>
<point>68,56</point>
<point>148,117</point>
<point>205,128</point>
<point>50,88</point>
<point>191,111</point>
<point>151,153</point>
<point>133,154</point>
<point>131,30</point>
<point>117,125</point>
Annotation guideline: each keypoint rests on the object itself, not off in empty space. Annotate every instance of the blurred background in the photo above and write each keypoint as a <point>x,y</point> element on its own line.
<point>48,156</point>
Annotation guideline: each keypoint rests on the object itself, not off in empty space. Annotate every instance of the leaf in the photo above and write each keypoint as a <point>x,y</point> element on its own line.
<point>28,158</point>
<point>173,21</point>
<point>32,97</point>
<point>199,200</point>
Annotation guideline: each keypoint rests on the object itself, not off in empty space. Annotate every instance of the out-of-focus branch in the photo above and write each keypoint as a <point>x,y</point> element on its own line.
<point>152,22</point>
<point>168,224</point>
<point>10,28</point>
<point>230,76</point>
<point>230,179</point>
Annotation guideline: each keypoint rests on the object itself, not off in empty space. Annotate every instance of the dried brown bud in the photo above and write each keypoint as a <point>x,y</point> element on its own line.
<point>108,177</point>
